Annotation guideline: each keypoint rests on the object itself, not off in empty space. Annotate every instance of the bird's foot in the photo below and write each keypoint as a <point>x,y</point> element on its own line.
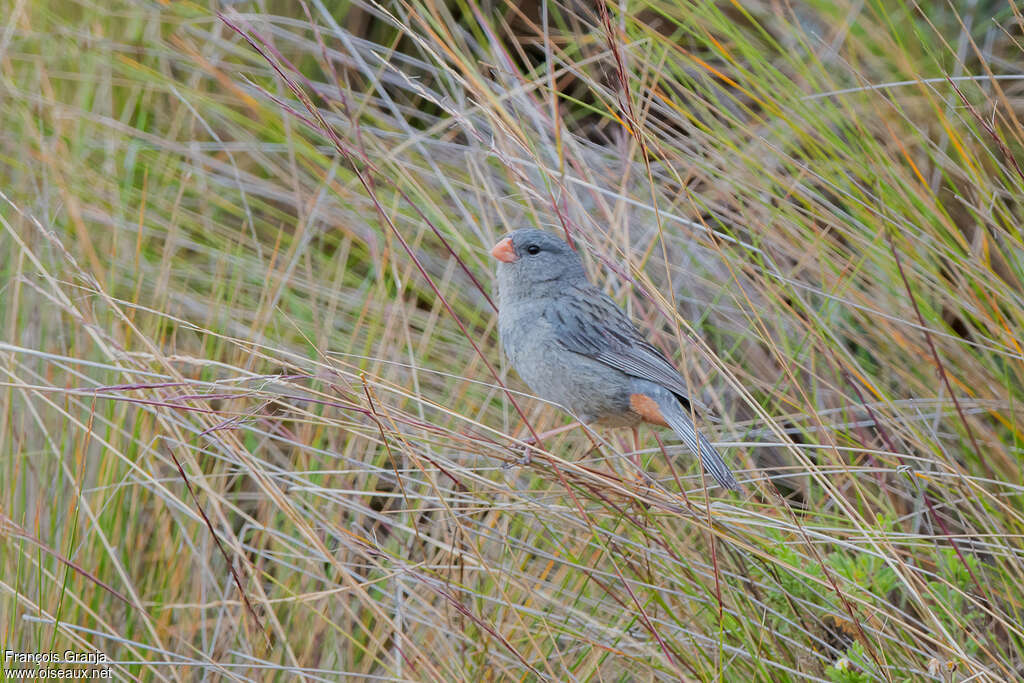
<point>528,445</point>
<point>525,449</point>
<point>642,478</point>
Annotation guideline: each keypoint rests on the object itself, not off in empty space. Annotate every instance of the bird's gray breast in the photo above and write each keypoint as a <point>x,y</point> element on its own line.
<point>586,387</point>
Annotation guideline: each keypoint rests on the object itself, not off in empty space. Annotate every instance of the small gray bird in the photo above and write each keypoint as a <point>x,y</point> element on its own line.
<point>574,346</point>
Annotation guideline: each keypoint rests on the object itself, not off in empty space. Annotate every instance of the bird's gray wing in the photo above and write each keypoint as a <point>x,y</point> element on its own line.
<point>589,323</point>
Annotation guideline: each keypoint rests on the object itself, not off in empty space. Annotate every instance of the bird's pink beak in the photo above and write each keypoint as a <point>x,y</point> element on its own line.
<point>504,251</point>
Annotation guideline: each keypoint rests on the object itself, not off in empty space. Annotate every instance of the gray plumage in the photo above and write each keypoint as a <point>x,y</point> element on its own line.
<point>574,346</point>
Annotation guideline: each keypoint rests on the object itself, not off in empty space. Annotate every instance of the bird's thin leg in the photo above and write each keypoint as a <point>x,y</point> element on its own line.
<point>530,441</point>
<point>595,443</point>
<point>635,455</point>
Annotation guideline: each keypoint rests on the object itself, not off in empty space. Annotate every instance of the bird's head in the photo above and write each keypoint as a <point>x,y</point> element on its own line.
<point>532,262</point>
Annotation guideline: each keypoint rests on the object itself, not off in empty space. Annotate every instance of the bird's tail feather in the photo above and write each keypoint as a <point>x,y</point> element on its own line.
<point>681,423</point>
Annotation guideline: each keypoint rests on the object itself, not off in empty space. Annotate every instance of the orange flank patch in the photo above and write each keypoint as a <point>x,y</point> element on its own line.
<point>647,408</point>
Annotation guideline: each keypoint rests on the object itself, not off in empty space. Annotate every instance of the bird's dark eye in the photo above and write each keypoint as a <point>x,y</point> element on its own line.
<point>532,249</point>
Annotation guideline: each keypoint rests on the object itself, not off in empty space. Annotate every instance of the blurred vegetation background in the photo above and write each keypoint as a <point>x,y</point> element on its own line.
<point>255,422</point>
